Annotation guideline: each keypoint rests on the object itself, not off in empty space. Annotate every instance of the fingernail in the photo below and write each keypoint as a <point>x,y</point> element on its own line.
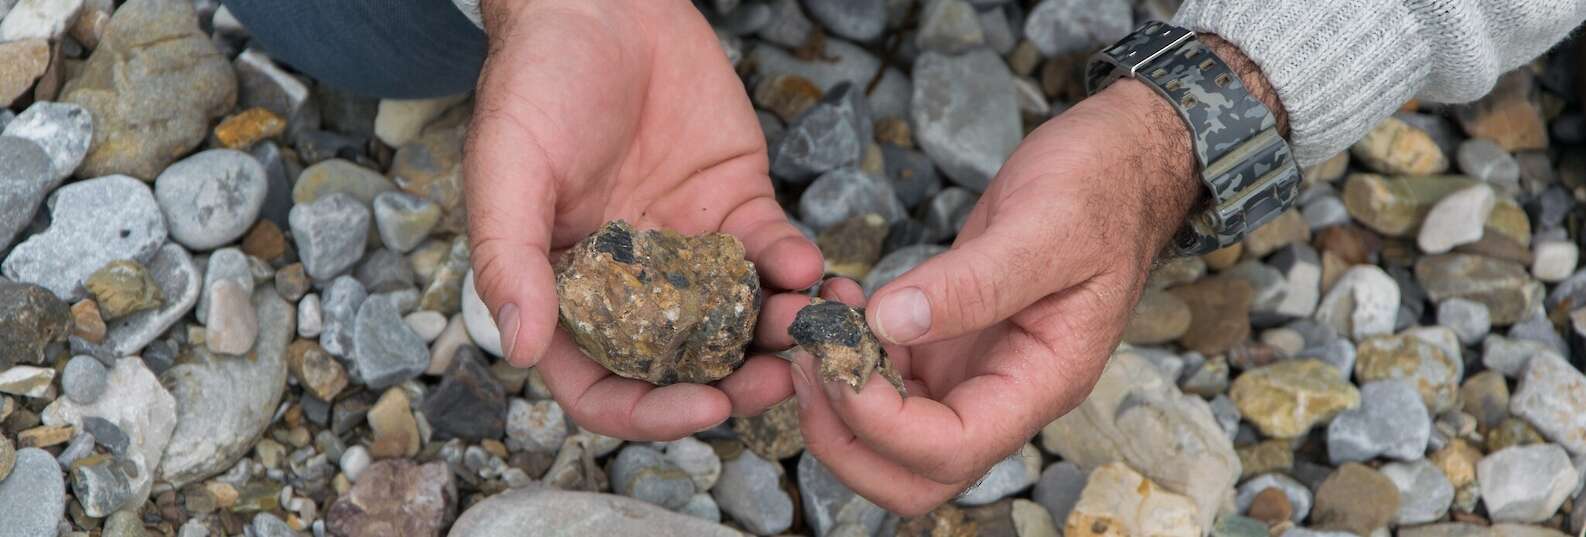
<point>836,390</point>
<point>801,382</point>
<point>507,319</point>
<point>903,316</point>
<point>713,425</point>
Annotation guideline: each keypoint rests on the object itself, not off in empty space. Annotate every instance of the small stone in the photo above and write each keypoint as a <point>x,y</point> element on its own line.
<point>509,514</point>
<point>898,262</point>
<point>266,242</point>
<point>1396,206</point>
<point>354,461</point>
<point>1158,318</point>
<point>1006,478</point>
<point>1219,314</point>
<point>965,114</point>
<point>1364,302</point>
<point>341,304</point>
<point>1059,488</point>
<point>1256,499</point>
<point>1388,423</point>
<point>1503,286</point>
<point>21,64</point>
<point>1468,319</point>
<point>320,374</point>
<point>87,322</point>
<point>395,497</point>
<point>642,473</point>
<point>27,381</point>
<point>829,504</point>
<point>750,492</point>
<point>696,458</point>
<point>786,95</point>
<point>538,426</point>
<point>944,521</point>
<point>1425,491</point>
<point>268,525</point>
<point>310,317</point>
<point>92,223</point>
<point>84,379</point>
<point>1554,261</point>
<point>45,436</point>
<point>838,336</point>
<point>396,433</point>
<point>468,403</point>
<point>1552,396</point>
<point>330,233</point>
<point>1030,519</point>
<point>1286,398</point>
<point>232,325</point>
<point>25,180</point>
<point>399,121</point>
<point>404,220</point>
<point>1525,483</point>
<point>1264,457</point>
<point>31,318</point>
<point>1508,115</point>
<point>385,350</point>
<point>1485,396</point>
<point>947,212</point>
<point>1356,499</point>
<point>445,290</point>
<point>427,324</point>
<point>1457,219</point>
<point>853,246</point>
<point>1119,501</point>
<point>101,485</point>
<point>659,306</point>
<point>33,497</point>
<point>444,349</point>
<point>845,193</point>
<point>1288,228</point>
<point>1060,27</point>
<point>1429,369</point>
<point>774,434</point>
<point>950,27</point>
<point>8,457</point>
<point>1397,148</point>
<point>210,199</point>
<point>62,130</point>
<point>124,287</point>
<point>339,176</point>
<point>248,127</point>
<point>1487,161</point>
<point>1512,432</point>
<point>828,135</point>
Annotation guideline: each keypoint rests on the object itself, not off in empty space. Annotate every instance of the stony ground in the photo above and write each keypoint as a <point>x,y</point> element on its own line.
<point>237,302</point>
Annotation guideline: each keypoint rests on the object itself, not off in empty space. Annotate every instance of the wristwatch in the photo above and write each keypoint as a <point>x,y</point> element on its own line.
<point>1246,165</point>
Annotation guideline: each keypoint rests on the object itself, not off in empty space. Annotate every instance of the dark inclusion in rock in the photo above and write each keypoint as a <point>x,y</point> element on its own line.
<point>837,335</point>
<point>31,318</point>
<point>659,306</point>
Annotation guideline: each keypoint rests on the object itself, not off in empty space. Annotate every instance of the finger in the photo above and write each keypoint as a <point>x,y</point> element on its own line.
<point>625,408</point>
<point>775,316</point>
<point>761,383</point>
<point>782,255</point>
<point>863,470</point>
<point>844,290</point>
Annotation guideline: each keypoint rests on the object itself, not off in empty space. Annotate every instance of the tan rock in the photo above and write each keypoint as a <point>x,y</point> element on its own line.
<point>430,167</point>
<point>1505,287</point>
<point>1285,399</point>
<point>1508,115</point>
<point>316,370</point>
<point>86,321</point>
<point>1119,502</point>
<point>21,63</point>
<point>1224,257</point>
<point>1158,318</point>
<point>853,246</point>
<point>248,127</point>
<point>1485,395</point>
<point>1329,170</point>
<point>1396,206</point>
<point>44,436</point>
<point>124,287</point>
<point>1286,229</point>
<point>1355,498</point>
<point>396,432</point>
<point>398,121</point>
<point>1266,457</point>
<point>1433,373</point>
<point>1458,461</point>
<point>264,241</point>
<point>1219,314</point>
<point>1397,148</point>
<point>774,434</point>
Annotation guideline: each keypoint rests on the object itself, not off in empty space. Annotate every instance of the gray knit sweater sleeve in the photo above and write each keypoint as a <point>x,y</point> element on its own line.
<point>1340,66</point>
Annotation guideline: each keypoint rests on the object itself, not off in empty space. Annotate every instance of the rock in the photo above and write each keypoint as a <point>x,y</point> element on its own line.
<point>786,95</point>
<point>1355,499</point>
<point>1468,319</point>
<point>1554,260</point>
<point>1032,520</point>
<point>445,291</point>
<point>828,503</point>
<point>232,325</point>
<point>1219,314</point>
<point>1396,206</point>
<point>828,135</point>
<point>337,175</point>
<point>947,212</point>
<point>898,262</point>
<point>310,317</point>
<point>1364,302</point>
<point>431,167</point>
<point>642,473</point>
<point>87,324</point>
<point>1508,115</point>
<point>210,199</point>
<point>1463,529</point>
<point>315,370</point>
<point>1158,318</point>
<point>1286,398</point>
<point>1509,356</point>
<point>702,506</point>
<point>1551,395</point>
<point>84,379</point>
<point>1295,494</point>
<point>853,246</point>
<point>1429,369</point>
<point>33,497</point>
<point>1525,483</point>
<point>1503,286</point>
<point>100,484</point>
<point>845,193</point>
<point>522,512</point>
<point>697,459</point>
<point>951,27</point>
<point>62,130</point>
<point>1457,219</point>
<point>1388,423</point>
<point>341,304</point>
<point>1512,432</point>
<point>8,457</point>
<point>445,346</point>
<point>142,123</point>
<point>223,403</point>
<point>748,490</point>
<point>687,320</point>
<point>774,434</point>
<point>92,223</point>
<point>225,264</point>
<point>21,64</point>
<point>1059,488</point>
<point>27,381</point>
<point>965,114</point>
<point>468,403</point>
<point>1485,396</point>
<point>404,220</point>
<point>399,121</point>
<point>38,19</point>
<point>427,324</point>
<point>25,178</point>
<point>848,352</point>
<point>538,426</point>
<point>1288,228</point>
<point>1119,501</point>
<point>268,525</point>
<point>477,318</point>
<point>1062,27</point>
<point>861,20</point>
<point>385,350</point>
<point>330,234</point>
<point>1005,478</point>
<point>1425,491</point>
<point>31,318</point>
<point>398,497</point>
<point>912,173</point>
<point>1397,148</point>
<point>396,432</point>
<point>135,419</point>
<point>1487,161</point>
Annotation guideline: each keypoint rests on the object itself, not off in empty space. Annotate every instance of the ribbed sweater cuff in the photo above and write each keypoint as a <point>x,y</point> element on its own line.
<point>1339,66</point>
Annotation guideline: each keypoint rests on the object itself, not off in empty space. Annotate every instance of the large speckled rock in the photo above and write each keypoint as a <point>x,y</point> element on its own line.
<point>837,335</point>
<point>659,306</point>
<point>92,223</point>
<point>1552,396</point>
<point>153,85</point>
<point>1286,398</point>
<point>30,318</point>
<point>965,114</point>
<point>1426,366</point>
<point>136,405</point>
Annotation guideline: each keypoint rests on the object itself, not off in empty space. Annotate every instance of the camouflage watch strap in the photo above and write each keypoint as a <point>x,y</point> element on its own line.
<point>1246,165</point>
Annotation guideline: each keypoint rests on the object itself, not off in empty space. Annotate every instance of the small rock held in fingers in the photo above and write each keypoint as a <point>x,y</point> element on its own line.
<point>837,335</point>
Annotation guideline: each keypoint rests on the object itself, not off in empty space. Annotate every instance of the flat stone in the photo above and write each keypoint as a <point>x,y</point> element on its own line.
<point>1119,501</point>
<point>62,130</point>
<point>27,381</point>
<point>750,492</point>
<point>1525,483</point>
<point>578,514</point>
<point>1219,314</point>
<point>25,179</point>
<point>135,420</point>
<point>643,473</point>
<point>1396,206</point>
<point>1458,219</point>
<point>404,220</point>
<point>845,193</point>
<point>1287,398</point>
<point>1505,287</point>
<point>385,350</point>
<point>1355,499</point>
<point>330,233</point>
<point>1060,27</point>
<point>965,114</point>
<point>341,303</point>
<point>1397,148</point>
<point>830,134</point>
<point>31,318</point>
<point>1158,318</point>
<point>92,223</point>
<point>33,497</point>
<point>1004,479</point>
<point>396,431</point>
<point>338,175</point>
<point>398,121</point>
<point>1552,396</point>
<point>1388,423</point>
<point>84,379</point>
<point>468,403</point>
<point>1554,261</point>
<point>210,199</point>
<point>399,497</point>
<point>1425,491</point>
<point>659,306</point>
<point>1295,494</point>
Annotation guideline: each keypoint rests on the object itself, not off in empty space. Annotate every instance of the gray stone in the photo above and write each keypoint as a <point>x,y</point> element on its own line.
<point>384,271</point>
<point>404,220</point>
<point>965,114</point>
<point>260,83</point>
<point>278,198</point>
<point>891,96</point>
<point>1059,27</point>
<point>897,263</point>
<point>788,26</point>
<point>859,20</point>
<point>331,234</point>
<point>537,427</point>
<point>1467,318</point>
<point>947,212</point>
<point>340,307</point>
<point>845,193</point>
<point>1486,160</point>
<point>1426,492</point>
<point>749,491</point>
<point>108,435</point>
<point>62,130</point>
<point>702,506</point>
<point>33,497</point>
<point>1008,477</point>
<point>1387,423</point>
<point>828,503</point>
<point>80,446</point>
<point>1525,483</point>
<point>101,488</point>
<point>1268,285</point>
<point>1302,276</point>
<point>1509,356</point>
<point>385,349</point>
<point>180,281</point>
<point>1223,408</point>
<point>831,134</point>
<point>232,325</point>
<point>1552,397</point>
<point>1001,34</point>
<point>543,511</point>
<point>1059,489</point>
<point>134,420</point>
<point>210,199</point>
<point>268,525</point>
<point>310,318</point>
<point>1298,494</point>
<point>643,473</point>
<point>83,379</point>
<point>842,61</point>
<point>696,458</point>
<point>1326,211</point>
<point>25,178</point>
<point>1364,302</point>
<point>477,319</point>
<point>912,173</point>
<point>951,27</point>
<point>92,223</point>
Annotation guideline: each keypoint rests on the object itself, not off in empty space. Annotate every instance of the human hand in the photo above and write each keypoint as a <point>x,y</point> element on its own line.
<point>1010,328</point>
<point>588,111</point>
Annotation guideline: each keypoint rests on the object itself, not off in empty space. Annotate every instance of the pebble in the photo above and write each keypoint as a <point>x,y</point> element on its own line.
<point>268,525</point>
<point>339,176</point>
<point>31,319</point>
<point>134,421</point>
<point>1356,499</point>
<point>643,473</point>
<point>396,433</point>
<point>1552,396</point>
<point>537,426</point>
<point>1468,319</point>
<point>845,193</point>
<point>1363,302</point>
<point>749,491</point>
<point>947,212</point>
<point>859,20</point>
<point>21,64</point>
<point>697,459</point>
<point>340,306</point>
<point>830,134</point>
<point>399,121</point>
<point>1487,161</point>
<point>396,497</point>
<point>1505,287</point>
<point>427,324</point>
<point>101,485</point>
<point>62,130</point>
<point>1298,495</point>
<point>1554,261</point>
<point>1287,398</point>
<point>965,115</point>
<point>579,514</point>
<point>702,506</point>
<point>1429,367</point>
<point>912,173</point>
<point>953,26</point>
<point>1425,491</point>
<point>310,317</point>
<point>468,403</point>
<point>898,262</point>
<point>27,381</point>
<point>1219,314</point>
<point>385,350</point>
<point>330,234</point>
<point>1388,423</point>
<point>1006,478</point>
<point>1116,495</point>
<point>1159,317</point>
<point>24,181</point>
<point>8,457</point>
<point>404,220</point>
<point>1397,148</point>
<point>84,379</point>
<point>354,461</point>
<point>1324,212</point>
<point>829,504</point>
<point>210,199</point>
<point>1457,219</point>
<point>1062,27</point>
<point>93,222</point>
<point>232,325</point>
<point>1059,488</point>
<point>1525,483</point>
<point>33,497</point>
<point>38,19</point>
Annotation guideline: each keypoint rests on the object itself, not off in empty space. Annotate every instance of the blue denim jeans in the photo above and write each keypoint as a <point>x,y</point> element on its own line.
<point>401,49</point>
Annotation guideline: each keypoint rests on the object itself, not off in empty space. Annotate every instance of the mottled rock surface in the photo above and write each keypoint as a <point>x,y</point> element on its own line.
<point>837,335</point>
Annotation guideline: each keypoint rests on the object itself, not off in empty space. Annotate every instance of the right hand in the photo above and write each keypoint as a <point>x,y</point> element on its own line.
<point>594,110</point>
